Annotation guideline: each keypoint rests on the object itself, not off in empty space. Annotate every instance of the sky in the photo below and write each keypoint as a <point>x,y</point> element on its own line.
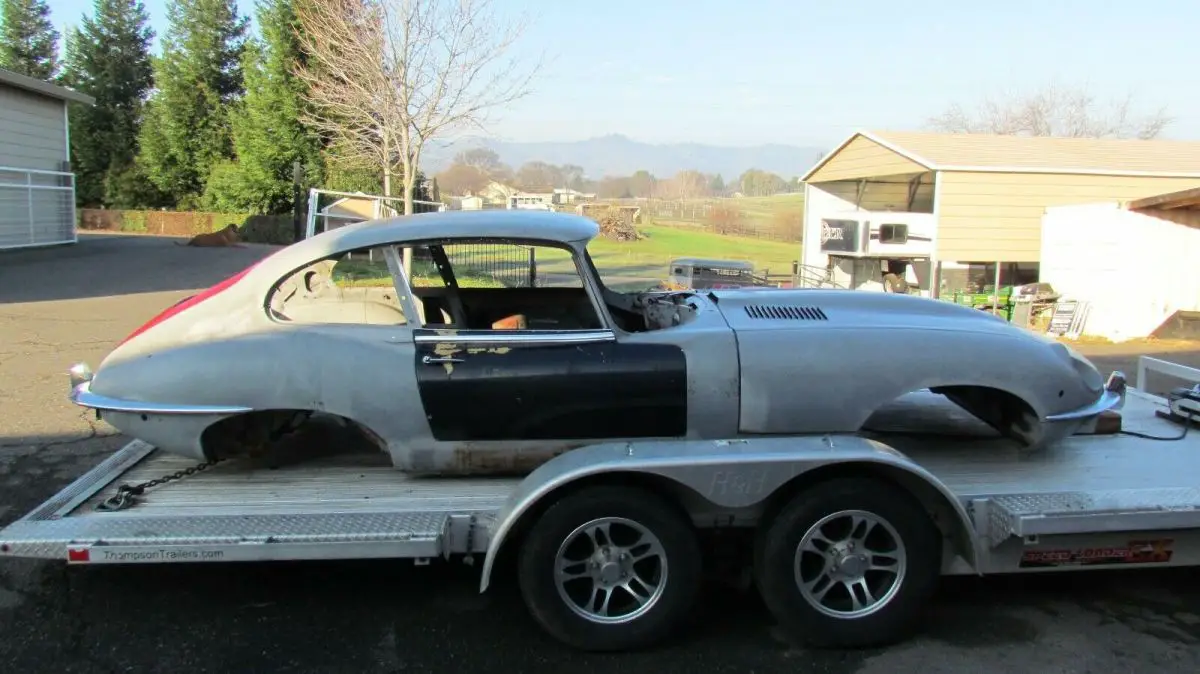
<point>786,71</point>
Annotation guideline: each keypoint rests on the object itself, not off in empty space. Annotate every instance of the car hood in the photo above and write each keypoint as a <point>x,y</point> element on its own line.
<point>822,309</point>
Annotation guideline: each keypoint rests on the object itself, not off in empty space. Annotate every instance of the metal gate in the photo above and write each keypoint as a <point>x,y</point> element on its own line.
<point>328,209</point>
<point>37,208</point>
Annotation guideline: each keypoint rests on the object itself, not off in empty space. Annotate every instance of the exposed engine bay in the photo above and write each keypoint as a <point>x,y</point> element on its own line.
<point>646,311</point>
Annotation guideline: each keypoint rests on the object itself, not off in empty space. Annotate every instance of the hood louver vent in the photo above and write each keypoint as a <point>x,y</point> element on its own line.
<point>783,312</point>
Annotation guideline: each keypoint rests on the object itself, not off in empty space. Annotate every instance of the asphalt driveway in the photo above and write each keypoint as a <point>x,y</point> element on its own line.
<point>63,305</point>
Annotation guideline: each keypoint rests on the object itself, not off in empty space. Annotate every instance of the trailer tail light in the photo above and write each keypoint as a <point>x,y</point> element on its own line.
<point>189,302</point>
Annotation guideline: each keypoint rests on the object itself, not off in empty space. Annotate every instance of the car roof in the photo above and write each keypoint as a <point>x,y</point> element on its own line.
<point>496,223</point>
<point>552,227</point>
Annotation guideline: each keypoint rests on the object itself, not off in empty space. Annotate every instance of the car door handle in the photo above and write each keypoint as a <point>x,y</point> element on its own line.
<point>430,360</point>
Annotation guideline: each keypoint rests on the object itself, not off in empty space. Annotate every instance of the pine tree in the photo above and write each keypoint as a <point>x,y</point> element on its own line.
<point>717,185</point>
<point>28,41</point>
<point>108,58</point>
<point>268,135</point>
<point>186,130</point>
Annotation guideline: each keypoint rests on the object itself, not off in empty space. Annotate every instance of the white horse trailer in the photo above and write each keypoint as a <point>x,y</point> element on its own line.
<point>878,250</point>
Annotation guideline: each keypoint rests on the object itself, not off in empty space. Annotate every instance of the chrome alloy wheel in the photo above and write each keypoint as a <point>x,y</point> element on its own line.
<point>850,564</point>
<point>610,570</point>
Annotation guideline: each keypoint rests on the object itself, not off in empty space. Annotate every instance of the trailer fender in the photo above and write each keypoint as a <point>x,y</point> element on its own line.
<point>737,473</point>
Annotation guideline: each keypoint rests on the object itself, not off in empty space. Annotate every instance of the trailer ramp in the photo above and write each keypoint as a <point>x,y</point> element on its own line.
<point>339,508</point>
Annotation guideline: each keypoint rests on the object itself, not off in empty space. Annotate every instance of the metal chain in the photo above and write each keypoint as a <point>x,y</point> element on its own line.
<point>126,495</point>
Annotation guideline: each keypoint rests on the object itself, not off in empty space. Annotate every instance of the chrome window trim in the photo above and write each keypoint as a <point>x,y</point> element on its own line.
<point>520,337</point>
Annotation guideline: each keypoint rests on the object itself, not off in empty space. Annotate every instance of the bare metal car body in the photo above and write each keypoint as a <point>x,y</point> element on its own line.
<point>213,375</point>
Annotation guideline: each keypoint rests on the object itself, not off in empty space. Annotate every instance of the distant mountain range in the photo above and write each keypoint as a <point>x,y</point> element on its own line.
<point>617,155</point>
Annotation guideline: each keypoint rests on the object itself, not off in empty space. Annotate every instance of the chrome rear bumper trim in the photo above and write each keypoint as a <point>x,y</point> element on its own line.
<point>82,395</point>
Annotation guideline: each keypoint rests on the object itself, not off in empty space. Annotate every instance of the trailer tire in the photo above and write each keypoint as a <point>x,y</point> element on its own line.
<point>793,566</point>
<point>662,564</point>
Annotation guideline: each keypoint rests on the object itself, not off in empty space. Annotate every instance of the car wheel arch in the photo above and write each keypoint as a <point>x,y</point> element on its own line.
<point>963,390</point>
<point>269,425</point>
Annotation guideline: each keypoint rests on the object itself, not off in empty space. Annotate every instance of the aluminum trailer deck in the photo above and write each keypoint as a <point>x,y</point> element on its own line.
<point>1123,500</point>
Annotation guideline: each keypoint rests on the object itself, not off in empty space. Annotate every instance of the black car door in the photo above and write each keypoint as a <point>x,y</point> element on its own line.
<point>549,385</point>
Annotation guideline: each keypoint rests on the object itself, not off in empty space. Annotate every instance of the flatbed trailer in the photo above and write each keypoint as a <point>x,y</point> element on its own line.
<point>949,496</point>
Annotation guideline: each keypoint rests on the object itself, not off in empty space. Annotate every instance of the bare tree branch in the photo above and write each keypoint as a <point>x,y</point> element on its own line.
<point>1053,110</point>
<point>386,76</point>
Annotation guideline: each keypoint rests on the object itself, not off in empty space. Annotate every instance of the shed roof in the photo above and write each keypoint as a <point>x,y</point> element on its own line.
<point>1170,201</point>
<point>44,88</point>
<point>976,152</point>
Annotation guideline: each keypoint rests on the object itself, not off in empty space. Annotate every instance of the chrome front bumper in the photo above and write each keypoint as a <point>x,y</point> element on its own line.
<point>81,394</point>
<point>1111,398</point>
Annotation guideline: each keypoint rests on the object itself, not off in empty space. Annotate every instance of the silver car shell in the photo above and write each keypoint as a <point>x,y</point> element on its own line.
<point>227,355</point>
<point>817,361</point>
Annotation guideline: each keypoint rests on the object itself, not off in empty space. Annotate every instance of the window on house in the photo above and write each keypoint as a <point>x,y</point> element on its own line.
<point>893,234</point>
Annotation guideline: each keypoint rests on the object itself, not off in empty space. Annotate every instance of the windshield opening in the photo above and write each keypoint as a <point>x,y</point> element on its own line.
<point>630,276</point>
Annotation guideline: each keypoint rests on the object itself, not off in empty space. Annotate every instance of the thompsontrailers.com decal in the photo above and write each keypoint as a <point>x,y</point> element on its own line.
<point>1136,552</point>
<point>141,555</point>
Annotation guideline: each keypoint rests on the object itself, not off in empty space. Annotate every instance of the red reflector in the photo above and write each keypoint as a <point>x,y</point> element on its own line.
<point>78,555</point>
<point>189,302</point>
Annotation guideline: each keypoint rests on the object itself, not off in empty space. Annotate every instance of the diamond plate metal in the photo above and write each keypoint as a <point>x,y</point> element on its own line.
<point>416,533</point>
<point>92,481</point>
<point>1104,510</point>
<point>362,504</point>
<point>1000,524</point>
<point>1125,500</point>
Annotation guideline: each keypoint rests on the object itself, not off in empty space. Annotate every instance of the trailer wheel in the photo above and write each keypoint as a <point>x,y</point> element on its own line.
<point>610,568</point>
<point>849,563</point>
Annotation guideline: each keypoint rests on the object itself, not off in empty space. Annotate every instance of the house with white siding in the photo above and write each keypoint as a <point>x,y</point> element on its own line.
<point>37,186</point>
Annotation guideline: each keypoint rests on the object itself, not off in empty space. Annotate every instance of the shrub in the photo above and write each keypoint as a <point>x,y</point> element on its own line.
<point>272,229</point>
<point>725,220</point>
<point>787,226</point>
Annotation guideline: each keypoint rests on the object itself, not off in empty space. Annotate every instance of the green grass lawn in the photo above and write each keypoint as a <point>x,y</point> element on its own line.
<point>761,210</point>
<point>374,274</point>
<point>649,257</point>
<point>623,265</point>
